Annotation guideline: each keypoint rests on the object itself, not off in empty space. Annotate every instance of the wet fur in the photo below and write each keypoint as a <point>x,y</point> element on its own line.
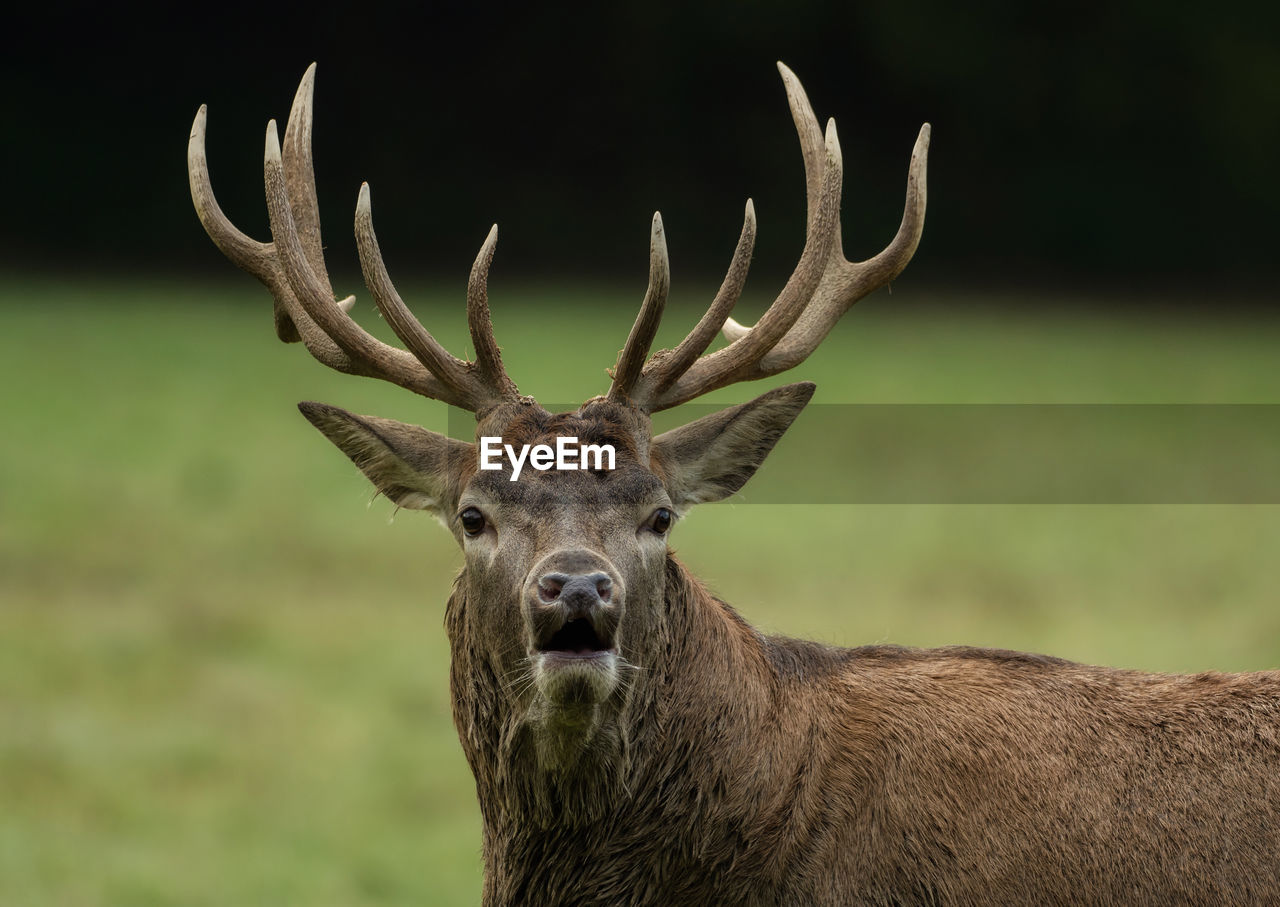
<point>744,769</point>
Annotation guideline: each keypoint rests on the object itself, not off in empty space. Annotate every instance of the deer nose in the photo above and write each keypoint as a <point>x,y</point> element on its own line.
<point>577,592</point>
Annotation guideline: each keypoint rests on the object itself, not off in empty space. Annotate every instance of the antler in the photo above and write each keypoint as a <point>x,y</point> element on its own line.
<point>292,267</point>
<point>821,289</point>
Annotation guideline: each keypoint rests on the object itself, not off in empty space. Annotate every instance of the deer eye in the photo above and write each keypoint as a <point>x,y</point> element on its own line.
<point>660,522</point>
<point>472,521</point>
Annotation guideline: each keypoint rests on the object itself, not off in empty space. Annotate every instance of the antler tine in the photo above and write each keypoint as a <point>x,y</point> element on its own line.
<point>300,176</point>
<point>632,358</point>
<point>439,361</point>
<point>488,356</point>
<point>246,253</point>
<point>733,362</point>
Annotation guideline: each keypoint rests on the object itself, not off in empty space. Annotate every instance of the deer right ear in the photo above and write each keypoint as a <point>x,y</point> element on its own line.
<point>414,467</point>
<point>712,457</point>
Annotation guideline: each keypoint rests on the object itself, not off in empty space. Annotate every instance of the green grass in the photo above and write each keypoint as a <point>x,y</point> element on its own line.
<point>223,677</point>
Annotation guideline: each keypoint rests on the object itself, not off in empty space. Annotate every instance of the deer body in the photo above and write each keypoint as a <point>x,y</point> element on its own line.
<point>770,771</point>
<point>635,742</point>
<point>791,773</point>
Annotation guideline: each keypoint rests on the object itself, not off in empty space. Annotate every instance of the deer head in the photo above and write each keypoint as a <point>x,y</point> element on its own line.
<point>562,606</point>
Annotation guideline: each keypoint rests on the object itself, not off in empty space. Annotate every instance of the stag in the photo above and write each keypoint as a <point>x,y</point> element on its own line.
<point>635,741</point>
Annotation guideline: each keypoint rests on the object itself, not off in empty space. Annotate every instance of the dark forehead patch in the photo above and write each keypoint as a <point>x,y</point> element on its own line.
<point>536,491</point>
<point>629,483</point>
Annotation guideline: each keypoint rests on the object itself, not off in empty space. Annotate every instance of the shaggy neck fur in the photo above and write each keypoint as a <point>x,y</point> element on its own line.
<point>643,766</point>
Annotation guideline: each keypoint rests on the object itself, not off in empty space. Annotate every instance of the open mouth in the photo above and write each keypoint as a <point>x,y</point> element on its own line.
<point>577,639</point>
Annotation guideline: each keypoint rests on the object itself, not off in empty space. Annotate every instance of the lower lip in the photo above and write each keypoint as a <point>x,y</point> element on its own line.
<point>553,656</point>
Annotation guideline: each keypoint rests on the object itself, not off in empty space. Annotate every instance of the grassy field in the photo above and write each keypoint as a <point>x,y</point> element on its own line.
<point>223,672</point>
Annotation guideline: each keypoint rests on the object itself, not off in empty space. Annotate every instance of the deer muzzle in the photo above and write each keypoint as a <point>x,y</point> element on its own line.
<point>573,604</point>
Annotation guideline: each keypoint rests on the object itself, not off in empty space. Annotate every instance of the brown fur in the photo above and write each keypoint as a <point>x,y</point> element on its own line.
<point>761,770</point>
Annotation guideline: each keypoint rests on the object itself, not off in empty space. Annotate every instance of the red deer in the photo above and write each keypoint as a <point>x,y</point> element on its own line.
<point>635,741</point>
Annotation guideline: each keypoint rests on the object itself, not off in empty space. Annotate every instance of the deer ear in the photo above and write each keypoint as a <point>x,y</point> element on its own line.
<point>712,457</point>
<point>415,468</point>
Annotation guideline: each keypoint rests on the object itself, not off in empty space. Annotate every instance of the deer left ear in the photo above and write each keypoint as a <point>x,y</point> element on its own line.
<point>712,457</point>
<point>414,467</point>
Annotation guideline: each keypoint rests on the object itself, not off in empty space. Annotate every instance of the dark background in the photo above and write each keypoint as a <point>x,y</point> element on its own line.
<point>1127,146</point>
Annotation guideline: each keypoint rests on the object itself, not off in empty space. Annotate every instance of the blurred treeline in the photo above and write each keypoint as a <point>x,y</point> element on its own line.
<point>1125,144</point>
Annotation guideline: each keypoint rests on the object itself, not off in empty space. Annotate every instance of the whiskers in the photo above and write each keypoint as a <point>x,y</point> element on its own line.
<point>629,674</point>
<point>520,679</point>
